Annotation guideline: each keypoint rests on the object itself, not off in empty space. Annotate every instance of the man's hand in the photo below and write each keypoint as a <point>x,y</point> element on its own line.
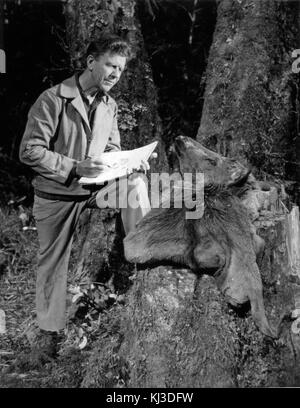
<point>90,167</point>
<point>144,167</point>
<point>154,155</point>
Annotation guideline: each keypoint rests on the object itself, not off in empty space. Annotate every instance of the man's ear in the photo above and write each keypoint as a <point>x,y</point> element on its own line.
<point>90,62</point>
<point>160,235</point>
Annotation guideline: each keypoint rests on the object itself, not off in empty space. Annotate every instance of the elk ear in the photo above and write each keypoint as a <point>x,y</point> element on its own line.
<point>160,235</point>
<point>241,284</point>
<point>259,314</point>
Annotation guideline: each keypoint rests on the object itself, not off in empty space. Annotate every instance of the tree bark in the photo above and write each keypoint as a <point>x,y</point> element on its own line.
<point>176,329</point>
<point>249,103</point>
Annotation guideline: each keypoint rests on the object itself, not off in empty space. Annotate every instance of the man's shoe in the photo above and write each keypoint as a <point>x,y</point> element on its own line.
<point>44,349</point>
<point>46,344</point>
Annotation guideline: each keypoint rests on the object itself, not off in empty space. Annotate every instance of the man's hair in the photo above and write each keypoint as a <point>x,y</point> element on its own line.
<point>108,42</point>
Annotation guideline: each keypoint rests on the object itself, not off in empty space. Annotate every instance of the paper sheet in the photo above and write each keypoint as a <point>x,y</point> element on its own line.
<point>120,163</point>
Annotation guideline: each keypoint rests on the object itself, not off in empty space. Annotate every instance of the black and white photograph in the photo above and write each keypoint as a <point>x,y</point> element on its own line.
<point>149,197</point>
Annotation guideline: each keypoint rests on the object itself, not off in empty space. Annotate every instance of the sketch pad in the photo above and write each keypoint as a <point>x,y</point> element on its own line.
<point>120,163</point>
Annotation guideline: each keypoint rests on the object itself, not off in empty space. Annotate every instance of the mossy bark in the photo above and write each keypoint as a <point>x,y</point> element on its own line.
<point>251,93</point>
<point>176,330</point>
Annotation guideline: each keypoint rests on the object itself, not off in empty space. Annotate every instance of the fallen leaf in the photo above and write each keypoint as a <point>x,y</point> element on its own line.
<point>76,297</point>
<point>74,289</point>
<point>80,332</point>
<point>83,343</point>
<point>2,322</point>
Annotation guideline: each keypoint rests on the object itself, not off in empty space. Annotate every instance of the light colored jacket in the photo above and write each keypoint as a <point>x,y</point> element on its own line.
<point>58,135</point>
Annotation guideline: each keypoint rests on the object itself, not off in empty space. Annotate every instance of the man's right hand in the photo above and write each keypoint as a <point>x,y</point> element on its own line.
<point>90,167</point>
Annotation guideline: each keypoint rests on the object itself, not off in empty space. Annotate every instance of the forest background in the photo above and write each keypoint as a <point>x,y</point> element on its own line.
<point>217,71</point>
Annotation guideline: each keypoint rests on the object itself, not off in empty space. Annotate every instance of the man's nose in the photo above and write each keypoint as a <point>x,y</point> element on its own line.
<point>116,73</point>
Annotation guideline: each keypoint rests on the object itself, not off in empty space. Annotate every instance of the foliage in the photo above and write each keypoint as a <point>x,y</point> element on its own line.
<point>17,248</point>
<point>17,282</point>
<point>94,298</point>
<point>14,179</point>
<point>90,311</point>
<point>128,114</point>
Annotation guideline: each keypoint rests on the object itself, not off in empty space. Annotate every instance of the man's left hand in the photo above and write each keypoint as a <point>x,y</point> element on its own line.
<point>145,166</point>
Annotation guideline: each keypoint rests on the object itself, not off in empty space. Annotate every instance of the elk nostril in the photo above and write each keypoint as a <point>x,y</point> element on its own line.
<point>171,149</point>
<point>238,304</point>
<point>240,309</point>
<point>180,140</point>
<point>178,148</point>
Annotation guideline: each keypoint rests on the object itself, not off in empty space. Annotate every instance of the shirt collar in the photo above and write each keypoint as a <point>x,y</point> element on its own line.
<point>69,89</point>
<point>100,95</point>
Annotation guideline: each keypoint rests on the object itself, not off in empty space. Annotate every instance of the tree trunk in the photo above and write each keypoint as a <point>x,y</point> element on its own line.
<point>251,92</point>
<point>177,330</point>
<point>138,119</point>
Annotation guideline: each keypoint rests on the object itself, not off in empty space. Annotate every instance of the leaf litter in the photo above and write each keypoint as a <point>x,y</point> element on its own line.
<point>87,303</point>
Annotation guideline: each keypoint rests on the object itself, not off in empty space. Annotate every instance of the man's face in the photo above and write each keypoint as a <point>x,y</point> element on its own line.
<point>106,70</point>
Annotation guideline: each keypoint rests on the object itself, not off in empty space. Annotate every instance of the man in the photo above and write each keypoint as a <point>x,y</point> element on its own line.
<point>68,128</point>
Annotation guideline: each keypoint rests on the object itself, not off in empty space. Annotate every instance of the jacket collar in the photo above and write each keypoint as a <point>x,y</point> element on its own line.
<point>68,89</point>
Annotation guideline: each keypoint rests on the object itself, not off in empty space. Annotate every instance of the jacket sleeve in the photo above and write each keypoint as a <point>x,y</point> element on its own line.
<point>36,148</point>
<point>114,144</point>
